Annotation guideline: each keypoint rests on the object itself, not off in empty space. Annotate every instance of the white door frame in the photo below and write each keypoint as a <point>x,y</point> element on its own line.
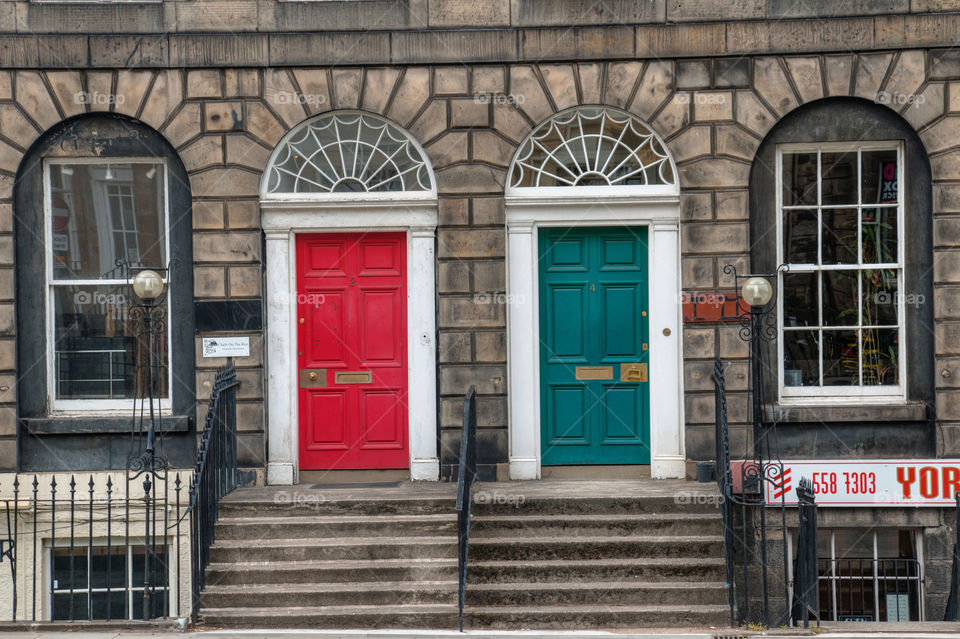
<point>660,213</point>
<point>281,222</point>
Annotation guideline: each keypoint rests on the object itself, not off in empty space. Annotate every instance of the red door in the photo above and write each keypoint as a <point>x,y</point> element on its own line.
<point>352,350</point>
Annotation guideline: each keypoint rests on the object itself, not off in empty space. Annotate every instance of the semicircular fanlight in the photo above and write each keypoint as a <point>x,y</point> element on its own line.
<point>592,147</point>
<point>348,153</point>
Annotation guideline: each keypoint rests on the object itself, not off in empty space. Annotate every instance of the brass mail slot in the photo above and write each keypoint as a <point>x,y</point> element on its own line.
<point>594,372</point>
<point>313,378</point>
<point>352,377</point>
<point>633,372</point>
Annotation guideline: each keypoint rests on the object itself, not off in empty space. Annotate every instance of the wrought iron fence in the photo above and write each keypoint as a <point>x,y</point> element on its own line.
<point>126,545</point>
<point>744,484</point>
<point>466,477</point>
<point>82,549</point>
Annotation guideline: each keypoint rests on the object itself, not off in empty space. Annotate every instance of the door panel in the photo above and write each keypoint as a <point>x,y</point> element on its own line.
<point>593,302</point>
<point>351,314</point>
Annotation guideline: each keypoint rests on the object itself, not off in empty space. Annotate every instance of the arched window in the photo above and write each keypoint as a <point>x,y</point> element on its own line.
<point>592,147</point>
<point>347,152</point>
<point>95,196</point>
<point>841,196</point>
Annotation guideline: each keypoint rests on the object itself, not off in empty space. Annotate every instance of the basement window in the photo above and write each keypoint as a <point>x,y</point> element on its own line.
<point>105,585</point>
<point>869,575</point>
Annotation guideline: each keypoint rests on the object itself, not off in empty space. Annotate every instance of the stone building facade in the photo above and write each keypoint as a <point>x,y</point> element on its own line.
<point>225,84</point>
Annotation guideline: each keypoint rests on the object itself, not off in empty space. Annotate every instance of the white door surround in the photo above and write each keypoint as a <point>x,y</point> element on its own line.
<point>282,220</point>
<point>659,210</point>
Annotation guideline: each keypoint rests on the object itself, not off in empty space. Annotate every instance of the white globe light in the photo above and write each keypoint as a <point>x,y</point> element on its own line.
<point>148,285</point>
<point>757,291</point>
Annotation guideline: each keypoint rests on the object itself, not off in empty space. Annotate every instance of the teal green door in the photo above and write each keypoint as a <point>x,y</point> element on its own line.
<point>594,393</point>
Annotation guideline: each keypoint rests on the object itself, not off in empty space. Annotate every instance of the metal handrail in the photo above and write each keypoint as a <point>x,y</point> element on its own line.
<point>466,477</point>
<point>217,473</point>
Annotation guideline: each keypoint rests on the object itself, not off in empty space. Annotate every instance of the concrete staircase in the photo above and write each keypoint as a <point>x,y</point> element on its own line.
<point>541,560</point>
<point>565,558</point>
<point>328,559</point>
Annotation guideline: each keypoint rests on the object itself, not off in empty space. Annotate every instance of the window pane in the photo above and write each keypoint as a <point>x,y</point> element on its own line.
<point>841,358</point>
<point>800,236</point>
<point>840,294</point>
<point>105,212</point>
<point>61,606</point>
<point>879,176</point>
<point>799,178</point>
<point>63,578</point>
<point>839,236</point>
<point>880,297</point>
<point>158,566</point>
<point>854,543</point>
<point>112,570</point>
<point>97,351</point>
<point>879,236</point>
<point>839,181</point>
<point>801,358</point>
<point>158,604</point>
<point>117,608</point>
<point>881,360</point>
<point>800,299</point>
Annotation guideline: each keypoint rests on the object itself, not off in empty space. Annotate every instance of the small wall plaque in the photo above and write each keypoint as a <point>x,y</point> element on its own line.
<point>226,347</point>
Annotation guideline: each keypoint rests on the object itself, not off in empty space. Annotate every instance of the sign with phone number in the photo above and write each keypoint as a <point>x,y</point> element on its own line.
<point>879,482</point>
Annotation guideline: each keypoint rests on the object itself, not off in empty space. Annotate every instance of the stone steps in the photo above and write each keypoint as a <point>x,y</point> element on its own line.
<point>531,547</point>
<point>612,593</point>
<point>433,616</point>
<point>372,547</point>
<point>635,556</point>
<point>650,569</point>
<point>384,593</point>
<point>593,524</point>
<point>328,526</point>
<point>332,571</point>
<point>324,617</point>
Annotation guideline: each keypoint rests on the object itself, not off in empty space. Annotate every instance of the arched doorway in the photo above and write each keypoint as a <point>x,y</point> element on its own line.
<point>593,275</point>
<point>348,207</point>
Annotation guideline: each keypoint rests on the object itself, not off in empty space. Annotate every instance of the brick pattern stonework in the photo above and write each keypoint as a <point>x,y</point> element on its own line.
<point>470,119</point>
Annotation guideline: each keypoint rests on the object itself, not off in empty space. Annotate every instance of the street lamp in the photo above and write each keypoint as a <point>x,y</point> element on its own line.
<point>148,317</point>
<point>756,292</point>
<point>148,285</point>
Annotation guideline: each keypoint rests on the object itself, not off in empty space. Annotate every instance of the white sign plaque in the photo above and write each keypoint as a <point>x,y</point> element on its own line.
<point>226,347</point>
<point>874,482</point>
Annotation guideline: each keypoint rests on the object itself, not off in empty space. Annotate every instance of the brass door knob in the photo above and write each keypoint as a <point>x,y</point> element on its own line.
<point>312,377</point>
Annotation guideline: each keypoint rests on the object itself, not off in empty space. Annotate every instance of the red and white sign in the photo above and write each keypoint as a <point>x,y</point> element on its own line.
<point>876,482</point>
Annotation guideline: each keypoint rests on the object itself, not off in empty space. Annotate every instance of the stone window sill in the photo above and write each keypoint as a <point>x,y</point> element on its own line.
<point>893,412</point>
<point>97,425</point>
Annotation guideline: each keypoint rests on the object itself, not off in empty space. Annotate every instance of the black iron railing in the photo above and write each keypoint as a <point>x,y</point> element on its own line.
<point>466,476</point>
<point>216,475</point>
<point>86,550</point>
<point>743,485</point>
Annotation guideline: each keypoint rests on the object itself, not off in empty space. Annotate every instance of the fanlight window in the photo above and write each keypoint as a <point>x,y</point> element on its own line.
<point>348,153</point>
<point>592,147</point>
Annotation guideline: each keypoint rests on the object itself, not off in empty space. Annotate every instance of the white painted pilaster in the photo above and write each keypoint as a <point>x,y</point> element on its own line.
<point>282,431</point>
<point>666,356</point>
<point>524,404</point>
<point>422,356</point>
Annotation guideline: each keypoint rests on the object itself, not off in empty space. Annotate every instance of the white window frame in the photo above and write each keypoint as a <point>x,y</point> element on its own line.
<point>843,394</point>
<point>129,589</point>
<point>99,406</point>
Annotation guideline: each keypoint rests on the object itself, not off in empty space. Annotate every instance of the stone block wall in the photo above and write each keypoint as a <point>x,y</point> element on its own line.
<point>470,118</point>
